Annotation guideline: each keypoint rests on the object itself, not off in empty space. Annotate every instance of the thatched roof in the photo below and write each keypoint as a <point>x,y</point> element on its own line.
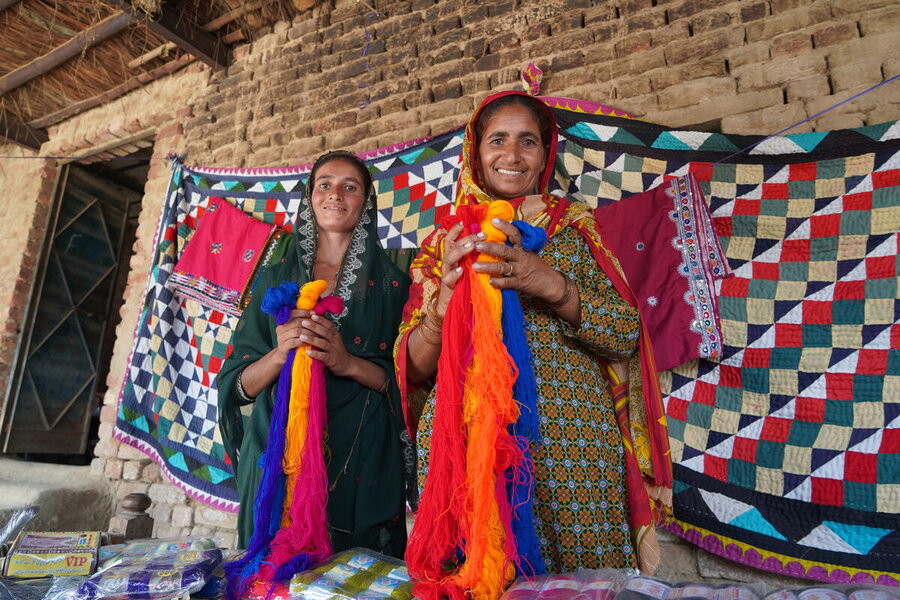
<point>59,58</point>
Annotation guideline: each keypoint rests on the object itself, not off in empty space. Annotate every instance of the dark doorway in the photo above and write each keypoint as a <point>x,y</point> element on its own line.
<point>59,377</point>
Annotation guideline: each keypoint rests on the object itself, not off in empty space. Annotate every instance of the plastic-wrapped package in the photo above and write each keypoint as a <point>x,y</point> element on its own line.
<point>152,576</point>
<point>52,553</point>
<point>16,521</point>
<point>65,588</point>
<point>109,552</point>
<point>586,584</point>
<point>649,588</point>
<point>844,591</point>
<point>24,589</point>
<point>153,548</point>
<point>216,584</point>
<point>359,574</point>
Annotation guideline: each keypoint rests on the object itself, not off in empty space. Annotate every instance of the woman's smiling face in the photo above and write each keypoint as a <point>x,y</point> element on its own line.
<point>510,153</point>
<point>338,193</point>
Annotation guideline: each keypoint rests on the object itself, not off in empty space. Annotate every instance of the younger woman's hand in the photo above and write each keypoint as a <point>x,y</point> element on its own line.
<point>321,334</point>
<point>288,334</point>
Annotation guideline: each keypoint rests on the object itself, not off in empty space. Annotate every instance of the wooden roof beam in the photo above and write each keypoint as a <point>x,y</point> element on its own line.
<point>234,14</point>
<point>112,94</point>
<point>148,56</point>
<point>73,47</point>
<point>18,132</point>
<point>215,24</point>
<point>174,28</point>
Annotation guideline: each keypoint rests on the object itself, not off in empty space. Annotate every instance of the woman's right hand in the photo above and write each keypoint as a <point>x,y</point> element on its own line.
<point>455,248</point>
<point>288,334</point>
<point>425,348</point>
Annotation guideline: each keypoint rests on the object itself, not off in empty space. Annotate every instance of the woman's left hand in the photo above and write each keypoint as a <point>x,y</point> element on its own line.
<point>518,269</point>
<point>327,345</point>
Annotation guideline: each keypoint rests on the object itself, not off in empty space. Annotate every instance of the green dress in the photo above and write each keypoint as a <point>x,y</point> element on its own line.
<point>364,451</point>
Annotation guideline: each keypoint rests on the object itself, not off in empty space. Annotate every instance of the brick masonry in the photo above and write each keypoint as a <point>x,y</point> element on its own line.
<point>24,215</point>
<point>343,76</point>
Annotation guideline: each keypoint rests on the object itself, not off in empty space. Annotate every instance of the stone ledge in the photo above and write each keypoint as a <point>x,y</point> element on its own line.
<point>69,497</point>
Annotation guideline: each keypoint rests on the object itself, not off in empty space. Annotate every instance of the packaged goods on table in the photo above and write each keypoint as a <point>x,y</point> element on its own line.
<point>59,553</point>
<point>357,574</point>
<point>586,584</point>
<point>154,570</point>
<point>649,588</point>
<point>836,592</point>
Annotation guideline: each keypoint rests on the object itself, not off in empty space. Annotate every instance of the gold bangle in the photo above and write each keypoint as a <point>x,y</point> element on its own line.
<point>422,333</point>
<point>383,390</point>
<point>568,286</point>
<point>424,324</point>
<point>436,324</point>
<point>431,311</point>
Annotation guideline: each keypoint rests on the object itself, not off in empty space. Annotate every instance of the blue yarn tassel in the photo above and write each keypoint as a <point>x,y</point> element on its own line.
<point>301,562</point>
<point>267,506</point>
<point>529,561</point>
<point>279,297</point>
<point>277,501</point>
<point>525,388</point>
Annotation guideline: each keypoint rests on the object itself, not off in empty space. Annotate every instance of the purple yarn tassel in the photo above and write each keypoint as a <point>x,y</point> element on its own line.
<point>267,507</point>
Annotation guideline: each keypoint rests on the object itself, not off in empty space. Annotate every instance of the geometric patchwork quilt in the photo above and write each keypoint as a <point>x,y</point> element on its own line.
<point>786,450</point>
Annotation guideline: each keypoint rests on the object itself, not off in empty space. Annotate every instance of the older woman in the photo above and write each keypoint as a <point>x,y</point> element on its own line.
<point>591,509</point>
<point>335,240</point>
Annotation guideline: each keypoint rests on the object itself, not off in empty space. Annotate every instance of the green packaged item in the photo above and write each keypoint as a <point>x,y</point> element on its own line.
<point>358,574</point>
<point>153,548</point>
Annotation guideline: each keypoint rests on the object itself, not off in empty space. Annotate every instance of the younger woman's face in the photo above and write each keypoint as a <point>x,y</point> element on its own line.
<point>338,193</point>
<point>510,153</point>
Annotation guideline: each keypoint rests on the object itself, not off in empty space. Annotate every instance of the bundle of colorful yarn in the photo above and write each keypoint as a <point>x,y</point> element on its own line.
<point>290,522</point>
<point>474,528</point>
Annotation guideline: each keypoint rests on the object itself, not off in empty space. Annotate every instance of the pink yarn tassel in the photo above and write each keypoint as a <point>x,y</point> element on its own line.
<point>308,532</point>
<point>307,536</point>
<point>311,492</point>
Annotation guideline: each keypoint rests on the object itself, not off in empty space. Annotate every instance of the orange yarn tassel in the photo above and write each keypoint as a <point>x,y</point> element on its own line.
<point>489,408</point>
<point>298,411</point>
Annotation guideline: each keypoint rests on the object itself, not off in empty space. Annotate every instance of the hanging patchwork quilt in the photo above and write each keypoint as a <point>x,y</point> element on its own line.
<point>785,442</point>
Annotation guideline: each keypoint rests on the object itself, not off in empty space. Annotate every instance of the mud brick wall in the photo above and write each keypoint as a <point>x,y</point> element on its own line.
<point>347,77</point>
